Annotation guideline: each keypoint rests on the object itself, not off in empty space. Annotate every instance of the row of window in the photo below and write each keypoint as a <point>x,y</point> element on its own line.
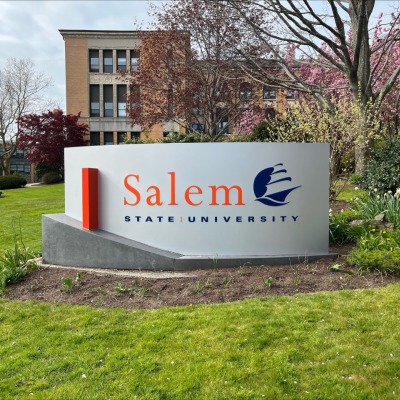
<point>22,168</point>
<point>269,93</point>
<point>108,137</point>
<point>223,124</point>
<point>112,61</point>
<point>106,93</point>
<point>104,97</point>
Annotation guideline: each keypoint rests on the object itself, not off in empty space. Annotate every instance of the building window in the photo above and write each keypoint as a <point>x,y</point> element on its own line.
<point>222,124</point>
<point>121,136</point>
<point>94,61</point>
<point>222,92</point>
<point>94,100</point>
<point>108,100</point>
<point>198,127</point>
<point>108,138</point>
<point>107,61</point>
<point>135,55</point>
<point>269,93</point>
<point>134,99</point>
<point>121,60</point>
<point>245,91</point>
<point>292,94</point>
<point>19,154</point>
<point>121,99</point>
<point>135,135</point>
<point>94,138</point>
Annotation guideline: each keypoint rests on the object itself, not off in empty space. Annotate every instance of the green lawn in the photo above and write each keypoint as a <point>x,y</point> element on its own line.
<point>342,345</point>
<point>26,206</point>
<point>333,345</point>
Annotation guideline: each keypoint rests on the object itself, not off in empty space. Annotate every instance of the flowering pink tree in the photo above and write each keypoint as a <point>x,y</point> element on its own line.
<point>248,120</point>
<point>333,50</point>
<point>385,59</point>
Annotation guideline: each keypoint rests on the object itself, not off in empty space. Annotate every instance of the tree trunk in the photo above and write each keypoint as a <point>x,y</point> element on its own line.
<point>5,164</point>
<point>360,12</point>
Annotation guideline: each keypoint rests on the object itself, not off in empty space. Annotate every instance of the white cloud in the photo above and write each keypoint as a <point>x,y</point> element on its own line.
<point>29,29</point>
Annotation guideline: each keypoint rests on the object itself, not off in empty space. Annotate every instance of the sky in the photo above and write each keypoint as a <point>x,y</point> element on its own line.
<point>29,29</point>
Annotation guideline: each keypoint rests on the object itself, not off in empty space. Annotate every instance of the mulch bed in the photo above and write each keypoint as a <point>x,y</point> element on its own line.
<point>154,290</point>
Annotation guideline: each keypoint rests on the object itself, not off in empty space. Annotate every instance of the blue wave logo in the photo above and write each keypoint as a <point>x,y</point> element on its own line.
<point>264,190</point>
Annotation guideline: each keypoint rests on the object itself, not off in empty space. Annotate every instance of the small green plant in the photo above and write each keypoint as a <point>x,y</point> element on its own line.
<point>123,290</point>
<point>340,229</point>
<point>296,276</point>
<point>79,278</point>
<point>67,285</point>
<point>141,291</point>
<point>198,287</point>
<point>267,282</point>
<point>1,195</point>
<point>374,203</point>
<point>387,262</point>
<point>355,179</point>
<point>227,280</point>
<point>16,263</point>
<point>335,267</point>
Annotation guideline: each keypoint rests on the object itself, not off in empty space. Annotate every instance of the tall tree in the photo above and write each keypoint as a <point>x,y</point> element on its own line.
<point>339,40</point>
<point>21,87</point>
<point>46,135</point>
<point>186,73</point>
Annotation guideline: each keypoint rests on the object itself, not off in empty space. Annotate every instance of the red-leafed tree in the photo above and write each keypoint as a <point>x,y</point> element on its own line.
<point>187,75</point>
<point>46,135</point>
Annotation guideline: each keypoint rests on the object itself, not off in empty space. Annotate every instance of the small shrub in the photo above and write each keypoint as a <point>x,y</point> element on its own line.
<point>119,288</point>
<point>373,204</point>
<point>42,169</point>
<point>16,263</point>
<point>387,262</point>
<point>51,177</point>
<point>265,131</point>
<point>340,230</point>
<point>267,282</point>
<point>12,182</point>
<point>382,170</point>
<point>355,179</point>
<point>67,285</point>
<point>379,240</point>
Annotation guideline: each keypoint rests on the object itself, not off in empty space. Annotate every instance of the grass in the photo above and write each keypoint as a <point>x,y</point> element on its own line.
<point>348,193</point>
<point>341,345</point>
<point>333,345</point>
<point>26,206</point>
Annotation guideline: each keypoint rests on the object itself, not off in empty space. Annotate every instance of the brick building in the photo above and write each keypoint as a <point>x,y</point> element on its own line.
<point>94,86</point>
<point>95,89</point>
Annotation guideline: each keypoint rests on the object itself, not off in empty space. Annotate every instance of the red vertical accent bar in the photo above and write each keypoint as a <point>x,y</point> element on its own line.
<point>90,198</point>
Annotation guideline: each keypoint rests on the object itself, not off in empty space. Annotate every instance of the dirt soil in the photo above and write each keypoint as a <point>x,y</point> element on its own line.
<point>146,289</point>
<point>134,289</point>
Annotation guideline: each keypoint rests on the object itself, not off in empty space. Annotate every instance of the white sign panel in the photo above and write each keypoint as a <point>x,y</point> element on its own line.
<point>213,199</point>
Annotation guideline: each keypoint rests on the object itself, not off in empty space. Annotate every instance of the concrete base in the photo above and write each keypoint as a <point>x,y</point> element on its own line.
<point>65,242</point>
